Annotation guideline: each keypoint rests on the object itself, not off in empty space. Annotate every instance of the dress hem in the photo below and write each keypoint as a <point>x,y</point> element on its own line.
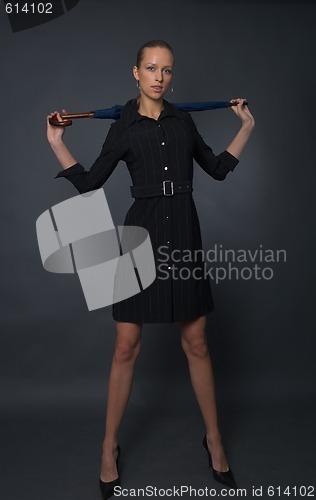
<point>203,313</point>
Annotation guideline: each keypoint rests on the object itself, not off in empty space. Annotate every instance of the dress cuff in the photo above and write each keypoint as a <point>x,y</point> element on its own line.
<point>230,160</point>
<point>67,172</point>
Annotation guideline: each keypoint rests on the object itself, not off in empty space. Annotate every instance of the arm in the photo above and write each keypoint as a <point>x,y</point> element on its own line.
<point>219,166</point>
<point>54,137</point>
<point>101,169</point>
<point>248,123</point>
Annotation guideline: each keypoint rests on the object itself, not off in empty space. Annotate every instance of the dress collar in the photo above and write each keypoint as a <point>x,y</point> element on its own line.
<point>129,112</point>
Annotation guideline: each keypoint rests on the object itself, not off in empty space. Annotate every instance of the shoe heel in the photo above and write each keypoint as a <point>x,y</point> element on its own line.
<point>107,488</point>
<point>226,478</point>
<point>204,443</point>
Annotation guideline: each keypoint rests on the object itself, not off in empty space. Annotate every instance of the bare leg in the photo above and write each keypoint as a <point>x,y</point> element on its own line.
<point>194,343</point>
<point>127,348</point>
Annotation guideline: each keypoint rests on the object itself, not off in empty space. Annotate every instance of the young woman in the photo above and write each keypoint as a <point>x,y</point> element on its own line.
<point>158,142</point>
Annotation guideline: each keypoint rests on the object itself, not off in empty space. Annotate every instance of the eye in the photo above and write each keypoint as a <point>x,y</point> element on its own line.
<point>168,71</point>
<point>150,68</point>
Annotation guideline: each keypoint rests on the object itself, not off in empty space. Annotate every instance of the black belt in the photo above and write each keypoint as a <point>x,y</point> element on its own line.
<point>165,188</point>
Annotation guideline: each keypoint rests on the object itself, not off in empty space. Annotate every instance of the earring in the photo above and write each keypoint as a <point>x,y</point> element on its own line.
<point>137,84</point>
<point>168,96</point>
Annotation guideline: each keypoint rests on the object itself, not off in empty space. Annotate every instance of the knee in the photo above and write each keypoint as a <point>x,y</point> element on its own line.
<point>194,342</point>
<point>126,351</point>
<point>195,348</point>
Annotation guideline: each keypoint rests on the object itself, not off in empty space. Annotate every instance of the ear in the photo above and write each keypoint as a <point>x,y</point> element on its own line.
<point>135,72</point>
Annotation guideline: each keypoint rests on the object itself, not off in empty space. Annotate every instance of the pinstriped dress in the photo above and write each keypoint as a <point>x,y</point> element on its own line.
<point>154,151</point>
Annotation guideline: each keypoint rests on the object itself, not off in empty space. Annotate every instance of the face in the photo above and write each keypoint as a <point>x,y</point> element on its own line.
<point>155,72</point>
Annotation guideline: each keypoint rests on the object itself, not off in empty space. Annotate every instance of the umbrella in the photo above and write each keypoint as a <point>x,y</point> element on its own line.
<point>115,111</point>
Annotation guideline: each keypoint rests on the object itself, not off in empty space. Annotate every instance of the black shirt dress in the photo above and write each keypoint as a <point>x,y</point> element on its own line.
<point>154,151</point>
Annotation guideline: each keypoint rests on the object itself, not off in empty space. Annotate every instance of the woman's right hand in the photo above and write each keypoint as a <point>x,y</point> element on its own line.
<point>55,132</point>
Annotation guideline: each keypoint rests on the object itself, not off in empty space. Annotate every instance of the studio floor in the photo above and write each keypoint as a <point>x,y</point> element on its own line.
<point>56,455</point>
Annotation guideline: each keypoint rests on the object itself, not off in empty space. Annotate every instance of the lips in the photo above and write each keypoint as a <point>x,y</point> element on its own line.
<point>156,87</point>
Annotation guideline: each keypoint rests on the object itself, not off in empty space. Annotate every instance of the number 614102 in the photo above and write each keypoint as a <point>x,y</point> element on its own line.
<point>29,8</point>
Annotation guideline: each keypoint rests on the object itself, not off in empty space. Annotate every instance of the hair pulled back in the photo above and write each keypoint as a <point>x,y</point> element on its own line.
<point>150,44</point>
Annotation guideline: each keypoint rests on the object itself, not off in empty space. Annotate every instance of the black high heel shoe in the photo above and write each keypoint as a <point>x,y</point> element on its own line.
<point>107,488</point>
<point>227,477</point>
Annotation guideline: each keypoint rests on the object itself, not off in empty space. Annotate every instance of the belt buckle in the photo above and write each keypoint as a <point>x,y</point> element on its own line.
<point>164,188</point>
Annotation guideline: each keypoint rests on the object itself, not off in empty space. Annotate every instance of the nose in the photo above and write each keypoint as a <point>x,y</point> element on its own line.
<point>159,76</point>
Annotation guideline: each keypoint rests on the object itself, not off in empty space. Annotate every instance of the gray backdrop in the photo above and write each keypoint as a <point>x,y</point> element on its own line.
<point>56,355</point>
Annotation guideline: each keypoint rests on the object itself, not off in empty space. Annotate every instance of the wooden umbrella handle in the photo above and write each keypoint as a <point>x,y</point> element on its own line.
<point>66,118</point>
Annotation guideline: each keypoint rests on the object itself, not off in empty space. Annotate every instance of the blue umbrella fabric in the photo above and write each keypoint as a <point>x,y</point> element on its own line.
<point>115,111</point>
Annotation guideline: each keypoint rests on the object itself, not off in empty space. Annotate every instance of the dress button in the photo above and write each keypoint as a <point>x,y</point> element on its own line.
<point>163,143</point>
<point>169,267</point>
<point>158,126</point>
<point>166,168</point>
<point>167,217</point>
<point>168,242</point>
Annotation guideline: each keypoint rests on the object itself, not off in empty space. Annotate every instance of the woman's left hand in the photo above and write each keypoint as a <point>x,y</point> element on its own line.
<point>242,111</point>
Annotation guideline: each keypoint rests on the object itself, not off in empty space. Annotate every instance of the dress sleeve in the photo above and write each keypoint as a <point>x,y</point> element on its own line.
<point>112,152</point>
<point>215,166</point>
